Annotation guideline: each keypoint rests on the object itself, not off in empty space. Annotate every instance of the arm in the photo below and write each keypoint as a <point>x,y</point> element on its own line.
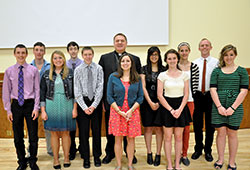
<point>74,111</point>
<point>154,106</point>
<point>184,100</point>
<point>6,95</point>
<point>216,100</point>
<point>37,94</point>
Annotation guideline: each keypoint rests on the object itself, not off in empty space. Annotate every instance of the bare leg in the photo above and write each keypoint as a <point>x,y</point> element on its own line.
<point>118,150</point>
<point>66,145</point>
<point>221,143</point>
<point>159,138</point>
<point>55,144</point>
<point>233,146</point>
<point>148,138</point>
<point>178,132</point>
<point>130,149</point>
<point>168,145</point>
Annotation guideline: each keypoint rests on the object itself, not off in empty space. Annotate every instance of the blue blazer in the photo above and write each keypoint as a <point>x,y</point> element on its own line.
<point>116,92</point>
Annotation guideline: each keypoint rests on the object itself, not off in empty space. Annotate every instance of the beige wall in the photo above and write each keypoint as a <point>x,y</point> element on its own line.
<point>221,21</point>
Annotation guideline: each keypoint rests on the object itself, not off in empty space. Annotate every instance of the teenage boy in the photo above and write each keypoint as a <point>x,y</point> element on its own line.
<point>21,98</point>
<point>42,65</point>
<point>88,89</point>
<point>72,63</point>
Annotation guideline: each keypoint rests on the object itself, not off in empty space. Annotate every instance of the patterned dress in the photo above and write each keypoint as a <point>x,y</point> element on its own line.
<point>228,88</point>
<point>118,126</point>
<point>59,110</point>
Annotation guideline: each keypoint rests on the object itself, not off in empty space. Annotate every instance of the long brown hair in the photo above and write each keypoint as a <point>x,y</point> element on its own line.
<point>52,66</point>
<point>223,53</point>
<point>133,76</point>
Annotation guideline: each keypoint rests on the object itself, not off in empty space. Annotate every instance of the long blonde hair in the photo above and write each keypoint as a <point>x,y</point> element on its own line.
<point>224,52</point>
<point>52,66</point>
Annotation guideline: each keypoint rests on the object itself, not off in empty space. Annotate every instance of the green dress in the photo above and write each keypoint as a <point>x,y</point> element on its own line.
<point>228,88</point>
<point>59,110</point>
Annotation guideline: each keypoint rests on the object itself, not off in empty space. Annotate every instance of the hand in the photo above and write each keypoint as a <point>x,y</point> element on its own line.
<point>122,113</point>
<point>154,106</point>
<point>103,107</point>
<point>176,113</point>
<point>10,117</point>
<point>34,114</point>
<point>44,116</point>
<point>229,111</point>
<point>87,111</point>
<point>91,109</point>
<point>222,111</point>
<point>129,115</point>
<point>74,113</point>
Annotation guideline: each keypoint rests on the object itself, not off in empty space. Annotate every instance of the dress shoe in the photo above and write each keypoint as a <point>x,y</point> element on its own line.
<point>66,165</point>
<point>209,157</point>
<point>107,159</point>
<point>185,161</point>
<point>22,167</point>
<point>196,155</point>
<point>149,158</point>
<point>33,166</point>
<point>134,160</point>
<point>57,166</point>
<point>97,162</point>
<point>72,156</point>
<point>157,160</point>
<point>86,163</point>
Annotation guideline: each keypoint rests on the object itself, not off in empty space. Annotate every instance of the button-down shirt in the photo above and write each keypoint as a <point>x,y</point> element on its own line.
<point>81,84</point>
<point>212,63</point>
<point>45,67</point>
<point>31,85</point>
<point>70,63</point>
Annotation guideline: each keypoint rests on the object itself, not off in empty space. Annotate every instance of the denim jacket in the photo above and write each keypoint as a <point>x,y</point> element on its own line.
<point>116,92</point>
<point>47,86</point>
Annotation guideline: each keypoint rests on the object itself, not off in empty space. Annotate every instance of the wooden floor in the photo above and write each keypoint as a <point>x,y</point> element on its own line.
<point>8,156</point>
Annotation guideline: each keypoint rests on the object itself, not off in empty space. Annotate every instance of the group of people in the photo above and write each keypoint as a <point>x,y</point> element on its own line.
<point>75,92</point>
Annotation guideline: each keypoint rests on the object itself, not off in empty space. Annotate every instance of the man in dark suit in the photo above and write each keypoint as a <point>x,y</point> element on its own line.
<point>109,63</point>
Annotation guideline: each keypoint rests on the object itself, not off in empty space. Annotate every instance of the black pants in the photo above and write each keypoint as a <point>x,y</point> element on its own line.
<point>19,113</point>
<point>111,139</point>
<point>73,149</point>
<point>83,121</point>
<point>203,103</point>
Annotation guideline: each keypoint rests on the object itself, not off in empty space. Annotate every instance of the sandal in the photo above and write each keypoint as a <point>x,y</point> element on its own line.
<point>131,168</point>
<point>217,165</point>
<point>118,168</point>
<point>231,168</point>
<point>170,168</point>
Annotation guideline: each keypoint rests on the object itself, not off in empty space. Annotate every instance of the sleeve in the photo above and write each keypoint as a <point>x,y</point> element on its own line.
<point>214,78</point>
<point>161,76</point>
<point>6,92</point>
<point>138,65</point>
<point>140,95</point>
<point>37,90</point>
<point>99,87</point>
<point>185,76</point>
<point>244,79</point>
<point>43,90</point>
<point>101,62</point>
<point>78,89</point>
<point>110,92</point>
<point>143,70</point>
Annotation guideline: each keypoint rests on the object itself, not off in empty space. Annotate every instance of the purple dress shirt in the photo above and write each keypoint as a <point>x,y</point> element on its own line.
<point>77,62</point>
<point>31,85</point>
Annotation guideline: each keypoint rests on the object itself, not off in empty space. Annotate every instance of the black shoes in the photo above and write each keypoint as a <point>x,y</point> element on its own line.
<point>196,155</point>
<point>86,163</point>
<point>185,161</point>
<point>66,165</point>
<point>150,159</point>
<point>72,156</point>
<point>107,159</point>
<point>22,167</point>
<point>57,166</point>
<point>97,162</point>
<point>157,160</point>
<point>209,157</point>
<point>33,166</point>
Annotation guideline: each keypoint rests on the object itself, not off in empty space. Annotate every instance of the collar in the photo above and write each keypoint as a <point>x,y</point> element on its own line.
<point>208,58</point>
<point>120,54</point>
<point>24,65</point>
<point>86,65</point>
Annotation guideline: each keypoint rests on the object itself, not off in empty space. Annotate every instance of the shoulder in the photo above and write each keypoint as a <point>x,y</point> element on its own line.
<point>97,66</point>
<point>104,56</point>
<point>31,67</point>
<point>9,69</point>
<point>242,70</point>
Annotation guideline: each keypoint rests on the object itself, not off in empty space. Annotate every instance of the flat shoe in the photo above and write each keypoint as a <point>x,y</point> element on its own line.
<point>231,168</point>
<point>57,166</point>
<point>66,165</point>
<point>217,165</point>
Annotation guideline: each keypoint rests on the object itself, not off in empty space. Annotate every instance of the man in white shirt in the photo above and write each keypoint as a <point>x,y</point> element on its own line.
<point>203,102</point>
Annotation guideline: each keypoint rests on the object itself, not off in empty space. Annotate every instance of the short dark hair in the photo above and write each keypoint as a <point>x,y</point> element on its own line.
<point>87,48</point>
<point>172,51</point>
<point>121,34</point>
<point>40,44</point>
<point>72,43</point>
<point>20,46</point>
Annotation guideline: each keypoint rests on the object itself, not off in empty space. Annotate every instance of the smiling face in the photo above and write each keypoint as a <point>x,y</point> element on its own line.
<point>120,43</point>
<point>229,58</point>
<point>21,55</point>
<point>58,60</point>
<point>205,47</point>
<point>184,52</point>
<point>125,63</point>
<point>154,57</point>
<point>87,56</point>
<point>172,60</point>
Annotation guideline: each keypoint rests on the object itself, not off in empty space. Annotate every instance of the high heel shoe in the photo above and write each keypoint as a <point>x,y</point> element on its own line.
<point>157,160</point>
<point>217,165</point>
<point>66,165</point>
<point>150,158</point>
<point>57,167</point>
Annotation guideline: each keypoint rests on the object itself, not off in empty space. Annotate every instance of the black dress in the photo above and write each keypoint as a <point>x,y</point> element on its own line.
<point>147,114</point>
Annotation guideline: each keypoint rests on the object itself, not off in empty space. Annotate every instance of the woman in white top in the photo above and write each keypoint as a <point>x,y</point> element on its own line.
<point>192,70</point>
<point>172,92</point>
